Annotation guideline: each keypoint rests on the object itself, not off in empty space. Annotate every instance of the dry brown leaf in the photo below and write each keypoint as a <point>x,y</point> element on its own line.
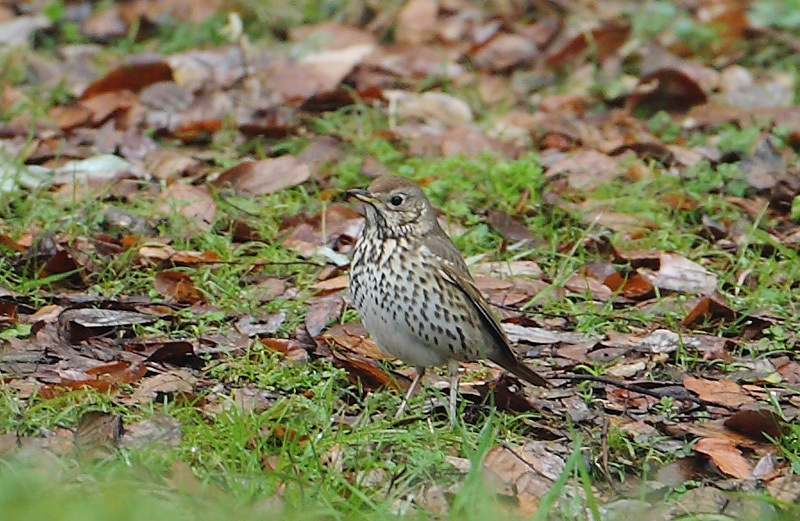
<point>315,75</point>
<point>5,240</point>
<point>69,117</point>
<point>758,424</point>
<point>160,428</point>
<point>470,142</point>
<point>432,107</point>
<point>416,22</point>
<point>334,284</point>
<point>178,286</point>
<point>509,228</point>
<point>525,474</point>
<point>365,372</point>
<point>108,104</point>
<point>156,12</point>
<point>98,433</point>
<point>677,273</point>
<point>174,381</point>
<point>321,312</point>
<point>193,202</point>
<point>505,51</point>
<point>156,253</point>
<point>332,35</point>
<point>194,257</point>
<point>723,392</point>
<point>785,488</point>
<point>666,89</point>
<point>726,456</point>
<point>581,284</point>
<point>585,168</point>
<point>134,77</point>
<point>353,337</point>
<point>340,223</point>
<point>605,40</point>
<point>264,176</point>
<point>291,348</point>
<point>712,307</point>
<point>506,269</point>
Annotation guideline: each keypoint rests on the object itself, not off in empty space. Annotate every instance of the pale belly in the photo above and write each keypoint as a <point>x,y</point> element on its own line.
<point>414,318</point>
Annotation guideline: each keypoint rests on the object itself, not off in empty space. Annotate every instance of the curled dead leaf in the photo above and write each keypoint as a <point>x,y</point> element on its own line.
<point>666,89</point>
<point>726,456</point>
<point>178,286</point>
<point>133,77</point>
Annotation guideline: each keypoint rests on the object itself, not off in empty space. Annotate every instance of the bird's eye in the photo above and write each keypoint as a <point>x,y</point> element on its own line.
<point>396,200</point>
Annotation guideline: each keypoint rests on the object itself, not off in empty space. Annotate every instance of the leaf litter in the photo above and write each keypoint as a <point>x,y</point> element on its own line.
<point>135,130</point>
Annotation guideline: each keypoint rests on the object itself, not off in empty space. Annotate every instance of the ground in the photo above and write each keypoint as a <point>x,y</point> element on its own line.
<point>176,336</point>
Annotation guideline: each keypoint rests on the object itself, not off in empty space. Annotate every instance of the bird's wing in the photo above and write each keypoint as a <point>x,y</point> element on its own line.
<point>456,271</point>
<point>457,274</point>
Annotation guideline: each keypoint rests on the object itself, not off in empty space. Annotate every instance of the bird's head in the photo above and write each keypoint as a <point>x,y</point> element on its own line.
<point>396,207</point>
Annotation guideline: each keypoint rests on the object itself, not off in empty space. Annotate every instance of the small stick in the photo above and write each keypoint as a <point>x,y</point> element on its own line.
<point>656,393</point>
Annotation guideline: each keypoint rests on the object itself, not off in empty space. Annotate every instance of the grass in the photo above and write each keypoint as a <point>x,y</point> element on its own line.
<point>328,449</point>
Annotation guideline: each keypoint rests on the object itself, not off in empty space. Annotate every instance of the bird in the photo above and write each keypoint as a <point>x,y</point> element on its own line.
<point>414,292</point>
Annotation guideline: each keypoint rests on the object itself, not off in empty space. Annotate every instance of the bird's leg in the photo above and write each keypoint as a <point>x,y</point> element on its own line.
<point>452,371</point>
<point>411,389</point>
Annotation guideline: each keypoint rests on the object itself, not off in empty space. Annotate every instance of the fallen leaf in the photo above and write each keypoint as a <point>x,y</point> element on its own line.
<point>505,51</point>
<point>104,106</point>
<point>416,21</point>
<point>291,348</point>
<point>677,273</point>
<point>432,107</point>
<point>321,312</point>
<point>365,372</point>
<point>353,337</point>
<point>508,269</point>
<point>134,77</point>
<point>509,228</point>
<point>331,35</point>
<point>671,90</point>
<point>161,428</point>
<point>710,307</point>
<point>605,40</point>
<point>584,168</point>
<point>264,176</point>
<point>333,284</point>
<point>316,74</point>
<point>726,456</point>
<point>69,117</point>
<point>525,474</point>
<point>193,202</point>
<point>174,381</point>
<point>17,32</point>
<point>722,392</point>
<point>758,424</point>
<point>178,286</point>
<point>98,433</point>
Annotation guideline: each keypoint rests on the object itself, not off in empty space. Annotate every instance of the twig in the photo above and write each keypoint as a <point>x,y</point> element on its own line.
<point>604,448</point>
<point>523,460</point>
<point>656,393</point>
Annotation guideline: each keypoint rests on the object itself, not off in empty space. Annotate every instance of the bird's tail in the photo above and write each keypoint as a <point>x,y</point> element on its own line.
<point>526,373</point>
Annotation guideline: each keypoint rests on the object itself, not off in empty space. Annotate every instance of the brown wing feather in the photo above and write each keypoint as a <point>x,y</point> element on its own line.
<point>506,359</point>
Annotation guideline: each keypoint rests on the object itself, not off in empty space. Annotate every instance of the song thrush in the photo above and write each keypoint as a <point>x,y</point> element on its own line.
<point>414,292</point>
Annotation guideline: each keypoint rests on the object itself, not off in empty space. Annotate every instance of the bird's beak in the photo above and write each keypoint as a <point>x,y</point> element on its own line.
<point>362,195</point>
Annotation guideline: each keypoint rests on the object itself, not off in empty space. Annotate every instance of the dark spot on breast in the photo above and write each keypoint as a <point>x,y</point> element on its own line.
<point>461,337</point>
